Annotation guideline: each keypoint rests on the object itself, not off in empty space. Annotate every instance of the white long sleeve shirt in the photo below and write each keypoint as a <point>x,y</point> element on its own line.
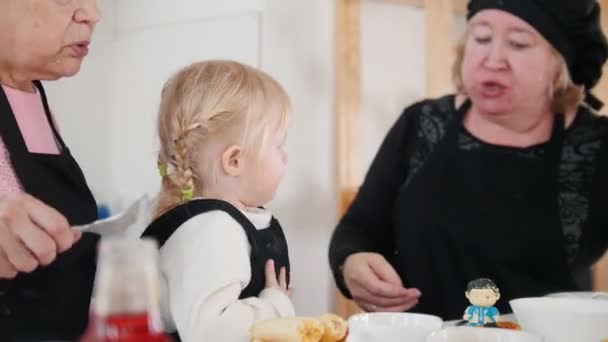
<point>205,265</point>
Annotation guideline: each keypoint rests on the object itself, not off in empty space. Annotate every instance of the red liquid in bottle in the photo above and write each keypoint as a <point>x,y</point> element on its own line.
<point>125,304</point>
<point>122,328</point>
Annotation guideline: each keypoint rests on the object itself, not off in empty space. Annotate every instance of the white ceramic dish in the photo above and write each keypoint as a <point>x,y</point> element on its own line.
<point>470,334</point>
<point>581,294</point>
<point>563,319</point>
<point>391,327</point>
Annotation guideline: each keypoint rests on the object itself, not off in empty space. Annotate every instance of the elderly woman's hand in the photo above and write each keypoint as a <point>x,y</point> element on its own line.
<point>31,234</point>
<point>375,285</point>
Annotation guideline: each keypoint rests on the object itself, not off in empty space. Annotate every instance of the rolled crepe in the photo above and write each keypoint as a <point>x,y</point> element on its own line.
<point>334,328</point>
<point>296,329</point>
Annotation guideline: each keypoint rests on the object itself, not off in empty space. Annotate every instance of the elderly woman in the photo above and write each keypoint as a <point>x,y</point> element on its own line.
<point>506,180</point>
<point>42,189</point>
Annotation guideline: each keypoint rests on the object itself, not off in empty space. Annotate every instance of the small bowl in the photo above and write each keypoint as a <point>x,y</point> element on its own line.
<point>471,334</point>
<point>581,294</point>
<point>563,319</point>
<point>391,327</point>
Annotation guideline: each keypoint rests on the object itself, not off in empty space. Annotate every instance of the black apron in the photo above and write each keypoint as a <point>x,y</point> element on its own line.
<point>269,243</point>
<point>480,213</point>
<point>52,303</point>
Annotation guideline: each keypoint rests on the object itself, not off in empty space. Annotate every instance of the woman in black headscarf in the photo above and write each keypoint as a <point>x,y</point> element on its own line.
<point>504,180</point>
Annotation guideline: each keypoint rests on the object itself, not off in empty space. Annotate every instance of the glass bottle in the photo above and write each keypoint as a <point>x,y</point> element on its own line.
<point>126,296</point>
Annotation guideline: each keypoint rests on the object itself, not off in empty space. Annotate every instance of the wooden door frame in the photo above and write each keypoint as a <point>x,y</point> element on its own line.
<point>347,112</point>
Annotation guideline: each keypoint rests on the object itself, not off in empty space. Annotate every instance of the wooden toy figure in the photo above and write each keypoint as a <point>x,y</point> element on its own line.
<point>482,294</point>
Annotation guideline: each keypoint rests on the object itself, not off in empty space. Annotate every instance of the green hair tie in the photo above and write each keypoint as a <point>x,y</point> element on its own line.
<point>163,169</point>
<point>187,193</point>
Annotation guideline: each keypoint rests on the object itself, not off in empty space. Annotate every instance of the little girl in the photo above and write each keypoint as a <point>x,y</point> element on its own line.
<point>222,128</point>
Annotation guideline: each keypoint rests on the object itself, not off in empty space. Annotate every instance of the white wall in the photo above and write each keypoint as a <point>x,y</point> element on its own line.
<point>137,47</point>
<point>394,69</point>
<point>107,111</point>
<point>145,57</point>
<point>82,108</point>
<point>298,51</point>
<point>138,14</point>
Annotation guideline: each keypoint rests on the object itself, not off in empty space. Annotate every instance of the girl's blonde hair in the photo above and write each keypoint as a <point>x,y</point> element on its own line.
<point>206,102</point>
<point>565,94</point>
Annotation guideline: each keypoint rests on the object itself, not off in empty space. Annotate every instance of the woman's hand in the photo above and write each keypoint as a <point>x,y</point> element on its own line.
<point>375,285</point>
<point>31,234</point>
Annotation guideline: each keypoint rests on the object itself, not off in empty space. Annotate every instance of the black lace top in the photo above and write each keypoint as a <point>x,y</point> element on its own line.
<point>445,208</point>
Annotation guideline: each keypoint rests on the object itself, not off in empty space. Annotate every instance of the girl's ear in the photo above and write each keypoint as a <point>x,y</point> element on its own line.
<point>232,161</point>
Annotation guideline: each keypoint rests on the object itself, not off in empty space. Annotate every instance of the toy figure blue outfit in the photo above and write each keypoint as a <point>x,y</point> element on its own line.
<point>481,315</point>
<point>482,294</point>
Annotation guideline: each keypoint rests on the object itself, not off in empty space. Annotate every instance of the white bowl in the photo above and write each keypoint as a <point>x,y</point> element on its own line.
<point>391,327</point>
<point>581,294</point>
<point>471,334</point>
<point>563,319</point>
